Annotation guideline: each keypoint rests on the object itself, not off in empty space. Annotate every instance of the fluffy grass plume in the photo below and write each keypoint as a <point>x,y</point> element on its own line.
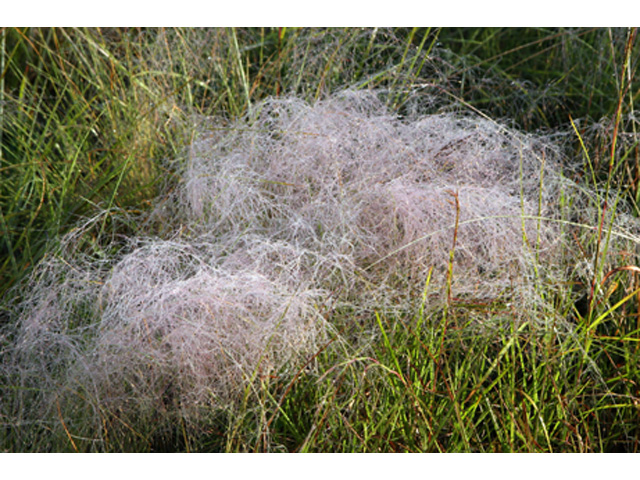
<point>372,195</point>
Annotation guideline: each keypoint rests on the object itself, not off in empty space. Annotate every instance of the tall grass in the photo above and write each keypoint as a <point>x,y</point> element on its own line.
<point>197,269</point>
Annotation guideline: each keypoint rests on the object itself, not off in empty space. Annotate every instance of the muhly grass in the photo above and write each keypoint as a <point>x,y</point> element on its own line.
<point>280,222</point>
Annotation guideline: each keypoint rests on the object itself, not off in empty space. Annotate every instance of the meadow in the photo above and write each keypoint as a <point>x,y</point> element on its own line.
<point>319,240</point>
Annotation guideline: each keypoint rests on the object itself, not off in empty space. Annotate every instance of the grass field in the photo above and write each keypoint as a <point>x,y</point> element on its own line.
<point>319,240</point>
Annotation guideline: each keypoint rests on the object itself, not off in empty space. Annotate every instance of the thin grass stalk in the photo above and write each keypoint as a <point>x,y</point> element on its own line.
<point>372,38</point>
<point>624,86</point>
<point>295,379</point>
<point>421,313</point>
<point>453,248</point>
<point>426,54</point>
<point>404,92</point>
<point>540,207</point>
<point>402,62</point>
<point>3,39</point>
<point>245,84</point>
<point>622,93</point>
<point>323,78</point>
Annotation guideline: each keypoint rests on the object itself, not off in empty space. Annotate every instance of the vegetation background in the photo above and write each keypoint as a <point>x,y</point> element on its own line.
<point>90,119</point>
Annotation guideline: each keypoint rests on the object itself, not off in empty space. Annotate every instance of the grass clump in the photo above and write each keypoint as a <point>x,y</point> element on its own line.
<point>372,195</point>
<point>297,202</point>
<point>382,268</point>
<point>153,336</point>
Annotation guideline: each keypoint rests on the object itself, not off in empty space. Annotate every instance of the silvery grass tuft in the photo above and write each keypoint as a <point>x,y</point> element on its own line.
<point>290,211</point>
<point>372,195</point>
<point>165,330</point>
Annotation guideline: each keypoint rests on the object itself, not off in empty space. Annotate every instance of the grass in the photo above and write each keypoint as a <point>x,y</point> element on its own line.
<point>362,301</point>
